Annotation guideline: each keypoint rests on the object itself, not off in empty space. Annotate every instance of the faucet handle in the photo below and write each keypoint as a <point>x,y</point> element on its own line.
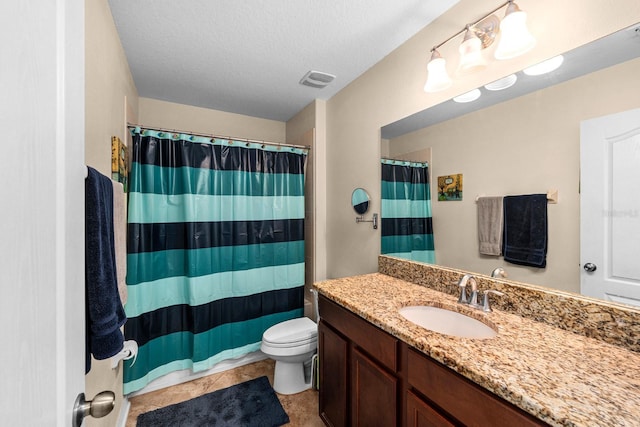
<point>485,304</point>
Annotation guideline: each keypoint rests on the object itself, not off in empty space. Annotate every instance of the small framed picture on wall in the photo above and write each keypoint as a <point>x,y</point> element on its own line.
<point>450,187</point>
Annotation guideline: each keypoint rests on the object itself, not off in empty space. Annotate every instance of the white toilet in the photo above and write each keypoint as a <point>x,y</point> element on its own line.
<point>291,344</point>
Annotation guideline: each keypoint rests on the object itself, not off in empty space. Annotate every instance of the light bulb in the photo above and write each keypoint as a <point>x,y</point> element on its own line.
<point>515,39</point>
<point>471,54</point>
<point>437,76</point>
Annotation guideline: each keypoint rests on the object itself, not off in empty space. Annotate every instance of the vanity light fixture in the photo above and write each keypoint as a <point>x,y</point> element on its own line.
<point>545,66</point>
<point>515,40</point>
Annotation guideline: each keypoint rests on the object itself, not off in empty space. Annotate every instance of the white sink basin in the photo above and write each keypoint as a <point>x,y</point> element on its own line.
<point>447,322</point>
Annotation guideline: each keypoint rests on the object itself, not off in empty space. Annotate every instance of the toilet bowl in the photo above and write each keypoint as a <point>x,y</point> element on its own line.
<point>291,344</point>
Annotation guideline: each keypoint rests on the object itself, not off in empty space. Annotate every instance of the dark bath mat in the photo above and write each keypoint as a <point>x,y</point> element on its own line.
<point>249,404</point>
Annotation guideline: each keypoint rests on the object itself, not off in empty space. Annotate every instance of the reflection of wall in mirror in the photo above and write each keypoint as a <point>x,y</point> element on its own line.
<point>526,145</point>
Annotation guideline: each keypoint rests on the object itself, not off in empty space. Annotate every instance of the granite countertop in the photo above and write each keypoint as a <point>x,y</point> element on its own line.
<point>562,378</point>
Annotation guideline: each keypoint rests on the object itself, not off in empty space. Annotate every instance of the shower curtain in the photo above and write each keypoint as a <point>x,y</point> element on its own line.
<point>215,249</point>
<point>406,224</point>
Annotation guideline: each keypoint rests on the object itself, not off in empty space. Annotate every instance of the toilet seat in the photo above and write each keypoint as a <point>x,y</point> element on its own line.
<point>291,344</point>
<point>291,333</point>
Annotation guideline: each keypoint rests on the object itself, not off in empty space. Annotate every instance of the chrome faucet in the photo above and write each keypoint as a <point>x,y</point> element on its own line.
<point>472,300</point>
<point>499,272</point>
<point>462,284</point>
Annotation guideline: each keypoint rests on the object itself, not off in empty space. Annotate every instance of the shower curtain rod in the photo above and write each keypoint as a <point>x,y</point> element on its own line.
<point>403,161</point>
<point>206,135</point>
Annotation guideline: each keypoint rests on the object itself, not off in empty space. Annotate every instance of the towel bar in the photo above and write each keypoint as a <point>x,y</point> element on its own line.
<point>552,196</point>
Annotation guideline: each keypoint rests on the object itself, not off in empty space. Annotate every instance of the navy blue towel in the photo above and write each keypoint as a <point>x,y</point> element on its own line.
<point>525,230</point>
<point>104,312</point>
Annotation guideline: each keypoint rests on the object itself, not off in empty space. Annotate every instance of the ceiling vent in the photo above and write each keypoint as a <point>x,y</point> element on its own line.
<point>317,79</point>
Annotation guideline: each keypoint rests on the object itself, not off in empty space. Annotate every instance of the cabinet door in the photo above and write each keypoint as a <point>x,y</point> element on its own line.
<point>420,414</point>
<point>332,351</point>
<point>373,393</point>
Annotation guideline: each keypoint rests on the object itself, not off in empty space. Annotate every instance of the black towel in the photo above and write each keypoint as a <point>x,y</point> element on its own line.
<point>104,312</point>
<point>525,230</point>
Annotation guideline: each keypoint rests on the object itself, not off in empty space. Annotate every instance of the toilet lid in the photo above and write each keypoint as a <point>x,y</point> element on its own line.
<point>291,331</point>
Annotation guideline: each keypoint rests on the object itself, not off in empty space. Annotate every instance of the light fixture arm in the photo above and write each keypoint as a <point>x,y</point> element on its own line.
<point>470,26</point>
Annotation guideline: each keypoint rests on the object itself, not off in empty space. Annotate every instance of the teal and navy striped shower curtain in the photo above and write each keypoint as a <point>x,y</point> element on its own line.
<point>215,249</point>
<point>406,223</point>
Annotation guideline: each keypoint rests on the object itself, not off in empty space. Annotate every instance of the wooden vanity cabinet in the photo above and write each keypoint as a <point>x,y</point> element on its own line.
<point>358,361</point>
<point>461,399</point>
<point>333,352</point>
<point>370,378</point>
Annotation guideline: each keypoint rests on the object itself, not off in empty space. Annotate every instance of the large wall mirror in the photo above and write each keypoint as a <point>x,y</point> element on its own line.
<point>522,140</point>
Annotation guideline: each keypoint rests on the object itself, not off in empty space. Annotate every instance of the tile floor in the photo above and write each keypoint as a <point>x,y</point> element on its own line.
<point>302,408</point>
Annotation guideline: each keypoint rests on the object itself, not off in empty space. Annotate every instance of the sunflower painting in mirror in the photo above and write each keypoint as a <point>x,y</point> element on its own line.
<point>450,187</point>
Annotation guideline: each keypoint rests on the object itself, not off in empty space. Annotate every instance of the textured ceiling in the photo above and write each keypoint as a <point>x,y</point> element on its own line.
<point>247,57</point>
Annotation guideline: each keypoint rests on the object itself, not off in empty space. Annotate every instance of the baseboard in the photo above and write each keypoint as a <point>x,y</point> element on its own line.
<point>183,376</point>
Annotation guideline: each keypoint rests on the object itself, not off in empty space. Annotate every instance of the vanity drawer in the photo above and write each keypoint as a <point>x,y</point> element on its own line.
<point>377,343</point>
<point>462,399</point>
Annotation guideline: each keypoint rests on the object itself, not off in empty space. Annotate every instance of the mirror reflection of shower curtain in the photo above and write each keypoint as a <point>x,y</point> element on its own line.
<point>406,224</point>
<point>215,249</point>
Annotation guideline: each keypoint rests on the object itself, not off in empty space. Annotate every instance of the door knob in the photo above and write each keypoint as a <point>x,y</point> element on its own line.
<point>590,267</point>
<point>101,405</point>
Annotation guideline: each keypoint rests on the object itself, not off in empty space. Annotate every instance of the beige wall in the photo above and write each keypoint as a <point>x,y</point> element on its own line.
<point>308,127</point>
<point>314,116</point>
<point>108,82</point>
<point>299,124</point>
<point>320,191</point>
<point>301,131</point>
<point>392,89</point>
<point>527,145</point>
<point>169,115</point>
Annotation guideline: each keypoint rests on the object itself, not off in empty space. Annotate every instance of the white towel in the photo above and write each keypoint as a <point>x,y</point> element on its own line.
<point>490,219</point>
<point>120,237</point>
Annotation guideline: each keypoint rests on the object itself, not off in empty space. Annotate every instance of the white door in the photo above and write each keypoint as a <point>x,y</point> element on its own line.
<point>610,207</point>
<point>42,211</point>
